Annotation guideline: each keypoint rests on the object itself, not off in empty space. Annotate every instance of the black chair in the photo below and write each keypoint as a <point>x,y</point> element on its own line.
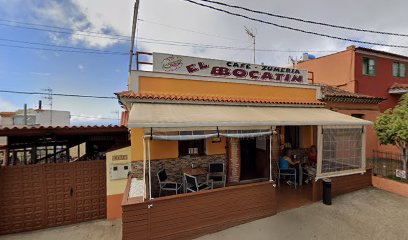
<point>165,184</point>
<point>216,173</point>
<point>193,186</point>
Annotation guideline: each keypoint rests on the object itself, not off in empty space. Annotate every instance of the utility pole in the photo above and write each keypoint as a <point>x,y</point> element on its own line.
<point>251,33</point>
<point>49,98</point>
<point>132,40</point>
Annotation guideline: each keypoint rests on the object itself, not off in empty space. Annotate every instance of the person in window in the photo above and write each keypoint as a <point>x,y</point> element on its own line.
<point>312,155</point>
<point>287,164</point>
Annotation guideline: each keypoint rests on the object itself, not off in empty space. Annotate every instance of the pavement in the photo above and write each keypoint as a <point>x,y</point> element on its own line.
<point>93,230</point>
<point>365,214</point>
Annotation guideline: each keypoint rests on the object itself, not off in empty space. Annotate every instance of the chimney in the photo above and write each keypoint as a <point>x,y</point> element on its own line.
<point>39,105</point>
<point>25,114</point>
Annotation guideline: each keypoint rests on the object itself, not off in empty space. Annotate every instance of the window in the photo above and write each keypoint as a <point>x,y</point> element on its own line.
<point>369,66</point>
<point>191,147</point>
<point>342,149</point>
<point>398,69</point>
<point>357,115</point>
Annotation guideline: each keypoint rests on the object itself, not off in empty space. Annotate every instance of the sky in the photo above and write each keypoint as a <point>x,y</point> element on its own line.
<point>26,66</point>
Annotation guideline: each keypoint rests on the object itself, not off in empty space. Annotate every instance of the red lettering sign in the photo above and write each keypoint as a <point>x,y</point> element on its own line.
<point>220,71</point>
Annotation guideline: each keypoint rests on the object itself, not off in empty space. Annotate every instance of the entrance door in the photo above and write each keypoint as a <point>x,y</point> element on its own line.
<point>254,158</point>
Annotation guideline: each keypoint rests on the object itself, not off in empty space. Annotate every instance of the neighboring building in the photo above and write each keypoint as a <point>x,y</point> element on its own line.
<point>356,105</point>
<point>35,117</point>
<point>364,71</point>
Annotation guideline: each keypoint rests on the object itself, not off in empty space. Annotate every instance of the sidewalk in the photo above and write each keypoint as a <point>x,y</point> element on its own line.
<point>365,214</point>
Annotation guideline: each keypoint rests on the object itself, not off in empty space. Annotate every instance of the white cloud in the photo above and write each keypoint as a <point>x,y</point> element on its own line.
<point>81,67</point>
<point>98,17</point>
<point>84,120</point>
<point>6,106</point>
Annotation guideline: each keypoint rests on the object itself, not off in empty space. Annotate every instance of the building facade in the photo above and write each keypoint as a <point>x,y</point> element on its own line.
<point>364,71</point>
<point>35,117</point>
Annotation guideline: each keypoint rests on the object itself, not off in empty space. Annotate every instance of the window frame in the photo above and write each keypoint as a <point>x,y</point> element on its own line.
<point>398,72</point>
<point>184,145</point>
<point>366,69</point>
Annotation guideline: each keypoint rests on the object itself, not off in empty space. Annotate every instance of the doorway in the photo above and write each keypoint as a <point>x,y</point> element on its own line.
<point>254,158</point>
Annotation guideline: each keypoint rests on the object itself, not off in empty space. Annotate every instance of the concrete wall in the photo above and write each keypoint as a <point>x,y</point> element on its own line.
<point>59,118</point>
<point>115,188</point>
<point>335,69</point>
<point>222,89</point>
<point>391,186</point>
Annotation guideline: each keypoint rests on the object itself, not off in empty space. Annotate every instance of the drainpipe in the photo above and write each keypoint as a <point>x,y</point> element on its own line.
<point>150,170</point>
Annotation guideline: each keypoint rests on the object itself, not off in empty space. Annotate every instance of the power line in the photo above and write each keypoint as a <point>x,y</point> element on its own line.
<point>62,28</point>
<point>307,21</point>
<point>189,30</point>
<point>60,46</point>
<point>57,94</point>
<point>73,32</point>
<point>186,44</point>
<point>296,29</point>
<point>62,50</point>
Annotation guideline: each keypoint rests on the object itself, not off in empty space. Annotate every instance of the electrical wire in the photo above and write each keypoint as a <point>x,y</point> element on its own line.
<point>57,94</point>
<point>59,46</point>
<point>73,32</point>
<point>307,21</point>
<point>62,28</point>
<point>296,29</point>
<point>62,50</point>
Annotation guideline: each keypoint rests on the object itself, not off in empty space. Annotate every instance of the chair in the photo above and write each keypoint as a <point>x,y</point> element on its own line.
<point>167,185</point>
<point>291,172</point>
<point>216,173</point>
<point>193,186</point>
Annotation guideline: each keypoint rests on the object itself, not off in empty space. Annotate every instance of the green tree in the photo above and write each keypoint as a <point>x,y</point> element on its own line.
<point>392,128</point>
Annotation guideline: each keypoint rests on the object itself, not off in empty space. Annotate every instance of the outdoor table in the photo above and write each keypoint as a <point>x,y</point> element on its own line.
<point>198,171</point>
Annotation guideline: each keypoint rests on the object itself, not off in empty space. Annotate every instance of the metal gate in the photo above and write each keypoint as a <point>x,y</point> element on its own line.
<point>47,195</point>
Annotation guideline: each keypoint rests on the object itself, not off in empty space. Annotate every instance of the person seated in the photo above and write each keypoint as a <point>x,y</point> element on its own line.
<point>312,155</point>
<point>286,163</point>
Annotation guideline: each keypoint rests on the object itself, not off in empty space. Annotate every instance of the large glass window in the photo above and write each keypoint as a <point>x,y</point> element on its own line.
<point>342,149</point>
<point>369,66</point>
<point>398,69</point>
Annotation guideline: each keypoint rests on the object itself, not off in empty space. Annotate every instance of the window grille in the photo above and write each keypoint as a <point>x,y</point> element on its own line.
<point>341,150</point>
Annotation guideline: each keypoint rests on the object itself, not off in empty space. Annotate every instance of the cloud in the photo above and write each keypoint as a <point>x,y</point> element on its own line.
<point>84,120</point>
<point>81,67</point>
<point>97,17</point>
<point>6,106</point>
<point>44,74</point>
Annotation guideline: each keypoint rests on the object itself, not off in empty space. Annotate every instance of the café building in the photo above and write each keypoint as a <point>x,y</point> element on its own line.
<point>206,139</point>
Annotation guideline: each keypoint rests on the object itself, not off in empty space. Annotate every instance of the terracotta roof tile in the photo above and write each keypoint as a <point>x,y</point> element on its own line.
<point>194,98</point>
<point>399,86</point>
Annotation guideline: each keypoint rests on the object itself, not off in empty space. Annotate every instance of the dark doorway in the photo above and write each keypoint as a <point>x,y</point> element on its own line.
<point>254,158</point>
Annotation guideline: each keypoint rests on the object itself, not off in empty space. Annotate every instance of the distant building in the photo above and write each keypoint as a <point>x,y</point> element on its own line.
<point>35,117</point>
<point>363,71</point>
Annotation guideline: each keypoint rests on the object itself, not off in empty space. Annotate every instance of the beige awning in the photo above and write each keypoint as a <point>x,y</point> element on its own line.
<point>176,115</point>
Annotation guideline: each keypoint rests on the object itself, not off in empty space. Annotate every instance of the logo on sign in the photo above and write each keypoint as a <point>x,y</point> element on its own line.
<point>172,63</point>
<point>400,173</point>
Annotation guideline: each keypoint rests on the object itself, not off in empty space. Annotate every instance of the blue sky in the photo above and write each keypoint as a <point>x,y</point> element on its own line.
<point>168,20</point>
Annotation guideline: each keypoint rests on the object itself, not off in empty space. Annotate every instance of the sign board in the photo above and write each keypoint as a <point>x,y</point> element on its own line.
<point>119,157</point>
<point>226,69</point>
<point>400,173</point>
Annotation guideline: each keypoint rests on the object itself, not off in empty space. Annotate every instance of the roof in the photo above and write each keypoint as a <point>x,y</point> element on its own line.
<point>335,94</point>
<point>381,52</point>
<point>7,114</point>
<point>66,130</point>
<point>216,99</point>
<point>398,88</point>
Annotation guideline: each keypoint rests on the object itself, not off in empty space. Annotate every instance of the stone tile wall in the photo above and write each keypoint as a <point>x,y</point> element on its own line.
<point>173,168</point>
